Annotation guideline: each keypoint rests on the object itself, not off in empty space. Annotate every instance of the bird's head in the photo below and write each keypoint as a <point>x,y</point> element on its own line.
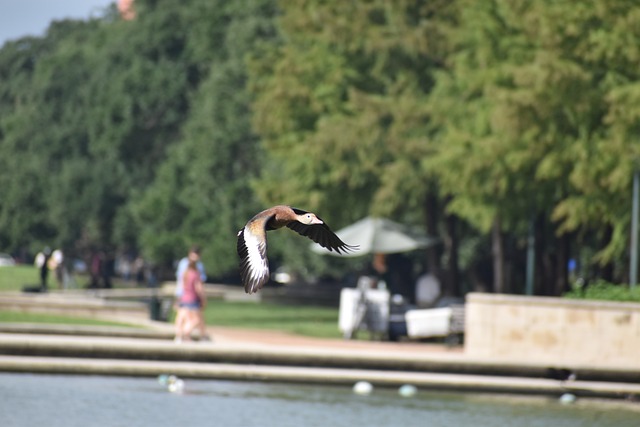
<point>309,219</point>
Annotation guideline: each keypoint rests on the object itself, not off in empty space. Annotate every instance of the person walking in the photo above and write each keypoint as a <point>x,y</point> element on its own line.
<point>181,315</point>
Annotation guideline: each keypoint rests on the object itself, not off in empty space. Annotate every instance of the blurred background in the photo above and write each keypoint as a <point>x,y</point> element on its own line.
<point>506,131</point>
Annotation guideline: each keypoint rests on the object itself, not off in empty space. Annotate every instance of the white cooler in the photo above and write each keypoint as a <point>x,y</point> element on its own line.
<point>432,322</point>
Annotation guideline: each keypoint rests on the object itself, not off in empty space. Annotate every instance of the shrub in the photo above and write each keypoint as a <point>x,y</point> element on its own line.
<point>602,290</point>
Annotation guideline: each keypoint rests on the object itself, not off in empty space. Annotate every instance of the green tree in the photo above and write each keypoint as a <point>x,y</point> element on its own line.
<point>341,108</point>
<point>33,133</point>
<point>104,100</point>
<point>204,188</point>
<point>526,118</point>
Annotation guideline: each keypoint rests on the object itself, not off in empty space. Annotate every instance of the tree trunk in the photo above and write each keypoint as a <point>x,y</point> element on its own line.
<point>552,255</point>
<point>497,250</point>
<point>543,271</point>
<point>451,246</point>
<point>562,265</point>
<point>606,270</point>
<point>433,253</point>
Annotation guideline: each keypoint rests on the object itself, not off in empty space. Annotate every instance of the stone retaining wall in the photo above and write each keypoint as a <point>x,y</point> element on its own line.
<point>74,305</point>
<point>558,331</point>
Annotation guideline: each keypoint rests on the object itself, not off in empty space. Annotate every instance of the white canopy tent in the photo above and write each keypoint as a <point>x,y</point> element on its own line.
<point>379,235</point>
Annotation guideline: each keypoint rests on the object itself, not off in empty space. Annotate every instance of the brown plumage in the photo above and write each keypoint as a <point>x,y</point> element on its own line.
<point>252,240</point>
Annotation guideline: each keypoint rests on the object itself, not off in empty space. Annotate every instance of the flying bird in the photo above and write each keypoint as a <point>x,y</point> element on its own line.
<point>252,240</point>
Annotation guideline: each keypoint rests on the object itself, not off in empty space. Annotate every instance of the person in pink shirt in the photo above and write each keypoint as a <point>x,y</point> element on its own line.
<point>192,302</point>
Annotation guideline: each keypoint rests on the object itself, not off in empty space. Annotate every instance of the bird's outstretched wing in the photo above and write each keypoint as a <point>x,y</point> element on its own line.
<point>254,267</point>
<point>322,235</point>
<point>252,242</point>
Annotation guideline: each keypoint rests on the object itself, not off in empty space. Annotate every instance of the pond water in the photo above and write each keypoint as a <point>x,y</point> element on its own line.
<point>69,401</point>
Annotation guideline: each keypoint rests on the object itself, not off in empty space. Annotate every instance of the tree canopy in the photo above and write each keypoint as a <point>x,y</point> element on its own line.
<point>486,123</point>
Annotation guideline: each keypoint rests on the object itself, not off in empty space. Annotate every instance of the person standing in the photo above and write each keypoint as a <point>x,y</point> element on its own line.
<point>57,265</point>
<point>183,264</point>
<point>139,266</point>
<point>427,290</point>
<point>42,262</point>
<point>95,269</point>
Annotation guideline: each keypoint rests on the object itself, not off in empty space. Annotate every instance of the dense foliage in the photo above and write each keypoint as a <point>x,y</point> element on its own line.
<point>480,121</point>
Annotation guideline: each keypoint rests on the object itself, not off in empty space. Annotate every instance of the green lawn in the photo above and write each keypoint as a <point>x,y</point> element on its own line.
<point>14,278</point>
<point>16,317</point>
<point>301,320</point>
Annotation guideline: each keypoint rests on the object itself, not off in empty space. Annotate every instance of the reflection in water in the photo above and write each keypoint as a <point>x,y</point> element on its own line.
<point>71,401</point>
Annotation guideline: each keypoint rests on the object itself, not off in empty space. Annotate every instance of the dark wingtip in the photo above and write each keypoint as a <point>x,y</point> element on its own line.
<point>349,248</point>
<point>251,287</point>
<point>343,249</point>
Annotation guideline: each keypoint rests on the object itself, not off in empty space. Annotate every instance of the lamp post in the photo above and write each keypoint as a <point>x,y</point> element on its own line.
<point>633,267</point>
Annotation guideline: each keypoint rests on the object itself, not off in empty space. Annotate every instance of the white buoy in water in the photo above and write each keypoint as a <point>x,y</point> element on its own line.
<point>407,390</point>
<point>567,398</point>
<point>163,379</point>
<point>362,387</point>
<point>176,386</point>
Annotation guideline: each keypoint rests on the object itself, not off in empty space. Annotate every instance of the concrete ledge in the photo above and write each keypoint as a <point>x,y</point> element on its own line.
<point>316,376</point>
<point>164,350</point>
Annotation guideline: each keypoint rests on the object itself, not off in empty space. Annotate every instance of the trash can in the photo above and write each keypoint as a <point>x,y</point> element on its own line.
<point>397,320</point>
<point>155,308</point>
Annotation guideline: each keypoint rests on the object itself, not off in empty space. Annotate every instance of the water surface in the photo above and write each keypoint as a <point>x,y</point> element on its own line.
<point>84,401</point>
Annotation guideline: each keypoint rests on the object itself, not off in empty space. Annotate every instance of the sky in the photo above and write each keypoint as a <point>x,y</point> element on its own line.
<point>19,18</point>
